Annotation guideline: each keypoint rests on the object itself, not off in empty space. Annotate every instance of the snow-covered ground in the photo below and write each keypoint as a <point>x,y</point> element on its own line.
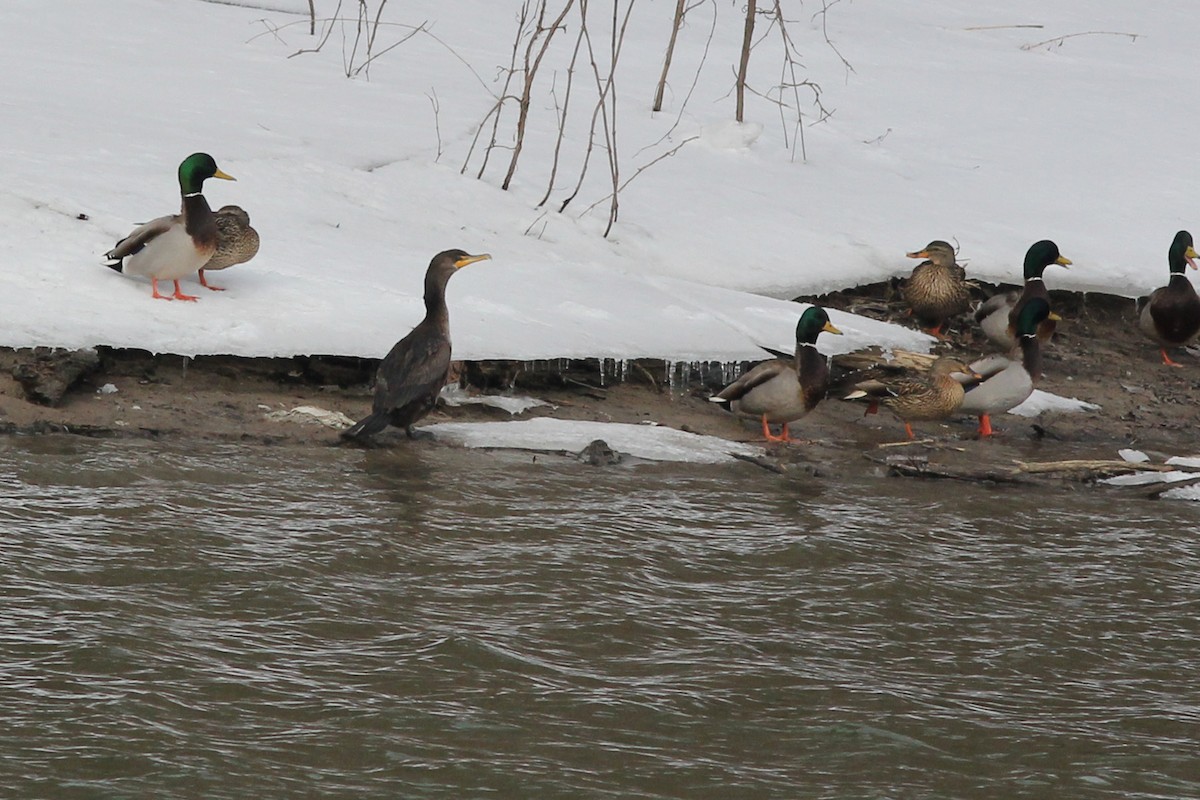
<point>949,125</point>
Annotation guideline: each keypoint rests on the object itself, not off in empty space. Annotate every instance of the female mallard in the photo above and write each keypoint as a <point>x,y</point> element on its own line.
<point>1171,315</point>
<point>936,395</point>
<point>998,315</point>
<point>170,247</point>
<point>237,242</point>
<point>782,390</point>
<point>1008,382</point>
<point>937,288</point>
<point>412,374</point>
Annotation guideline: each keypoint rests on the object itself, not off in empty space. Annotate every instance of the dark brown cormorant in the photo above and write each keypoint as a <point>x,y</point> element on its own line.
<point>413,373</point>
<point>171,247</point>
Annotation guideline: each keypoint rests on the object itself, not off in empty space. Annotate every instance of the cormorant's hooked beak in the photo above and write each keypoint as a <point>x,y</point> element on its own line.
<point>223,175</point>
<point>465,260</point>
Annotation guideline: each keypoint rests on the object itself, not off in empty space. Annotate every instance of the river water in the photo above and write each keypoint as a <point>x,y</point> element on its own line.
<point>425,622</point>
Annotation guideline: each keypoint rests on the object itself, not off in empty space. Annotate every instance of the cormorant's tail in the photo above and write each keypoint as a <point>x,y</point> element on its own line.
<point>367,426</point>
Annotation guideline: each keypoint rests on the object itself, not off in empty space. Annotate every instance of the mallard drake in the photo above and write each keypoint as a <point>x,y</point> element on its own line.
<point>1171,314</point>
<point>1008,382</point>
<point>412,374</point>
<point>936,395</point>
<point>784,390</point>
<point>937,288</point>
<point>170,247</point>
<point>237,242</point>
<point>998,315</point>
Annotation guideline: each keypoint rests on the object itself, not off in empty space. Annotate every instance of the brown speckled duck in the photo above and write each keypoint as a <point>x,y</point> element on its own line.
<point>1171,314</point>
<point>783,390</point>
<point>237,242</point>
<point>936,395</point>
<point>998,315</point>
<point>937,289</point>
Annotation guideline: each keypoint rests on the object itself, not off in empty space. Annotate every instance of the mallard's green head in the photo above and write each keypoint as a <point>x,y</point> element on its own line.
<point>937,251</point>
<point>813,322</point>
<point>1182,253</point>
<point>1041,255</point>
<point>1032,314</point>
<point>196,169</point>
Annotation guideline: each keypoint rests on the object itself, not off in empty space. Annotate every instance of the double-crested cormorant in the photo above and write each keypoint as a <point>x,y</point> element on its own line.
<point>170,247</point>
<point>784,390</point>
<point>937,288</point>
<point>414,371</point>
<point>998,315</point>
<point>936,395</point>
<point>1008,382</point>
<point>237,242</point>
<point>1171,315</point>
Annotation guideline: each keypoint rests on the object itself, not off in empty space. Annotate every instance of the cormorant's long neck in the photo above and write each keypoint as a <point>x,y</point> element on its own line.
<point>435,298</point>
<point>1031,355</point>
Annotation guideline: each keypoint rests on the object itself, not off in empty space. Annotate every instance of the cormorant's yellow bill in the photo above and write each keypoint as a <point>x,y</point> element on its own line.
<point>465,260</point>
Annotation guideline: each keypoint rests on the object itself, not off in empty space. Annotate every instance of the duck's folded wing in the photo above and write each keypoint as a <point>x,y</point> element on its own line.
<point>139,237</point>
<point>758,375</point>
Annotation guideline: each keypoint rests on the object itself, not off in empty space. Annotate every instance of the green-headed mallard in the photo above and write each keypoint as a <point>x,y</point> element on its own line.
<point>1171,314</point>
<point>1008,382</point>
<point>237,242</point>
<point>784,390</point>
<point>937,288</point>
<point>936,395</point>
<point>412,374</point>
<point>170,247</point>
<point>998,315</point>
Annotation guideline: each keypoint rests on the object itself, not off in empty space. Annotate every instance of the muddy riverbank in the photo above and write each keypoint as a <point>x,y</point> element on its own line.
<point>1098,355</point>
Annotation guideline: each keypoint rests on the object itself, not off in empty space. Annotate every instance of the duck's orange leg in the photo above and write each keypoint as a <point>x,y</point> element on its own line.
<point>208,285</point>
<point>985,425</point>
<point>1167,359</point>
<point>156,295</point>
<point>936,331</point>
<point>908,429</point>
<point>770,437</point>
<point>181,296</point>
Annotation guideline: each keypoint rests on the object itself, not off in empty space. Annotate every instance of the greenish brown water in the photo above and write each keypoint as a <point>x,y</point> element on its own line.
<point>228,622</point>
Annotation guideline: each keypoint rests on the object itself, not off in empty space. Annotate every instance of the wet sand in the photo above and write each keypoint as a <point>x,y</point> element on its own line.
<point>1098,355</point>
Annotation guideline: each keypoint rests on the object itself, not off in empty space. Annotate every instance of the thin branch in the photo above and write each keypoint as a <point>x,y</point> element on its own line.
<point>1060,39</point>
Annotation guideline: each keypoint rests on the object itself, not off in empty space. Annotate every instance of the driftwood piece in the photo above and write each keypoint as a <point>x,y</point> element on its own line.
<point>1089,469</point>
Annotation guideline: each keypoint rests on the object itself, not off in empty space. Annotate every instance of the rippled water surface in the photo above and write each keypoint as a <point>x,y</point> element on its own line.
<point>229,622</point>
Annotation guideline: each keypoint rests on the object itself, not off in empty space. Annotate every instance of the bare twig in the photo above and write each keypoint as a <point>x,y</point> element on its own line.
<point>662,79</point>
<point>1058,40</point>
<point>324,38</point>
<point>999,27</point>
<point>437,125</point>
<point>743,64</point>
<point>642,169</point>
<point>530,74</point>
<point>312,19</point>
